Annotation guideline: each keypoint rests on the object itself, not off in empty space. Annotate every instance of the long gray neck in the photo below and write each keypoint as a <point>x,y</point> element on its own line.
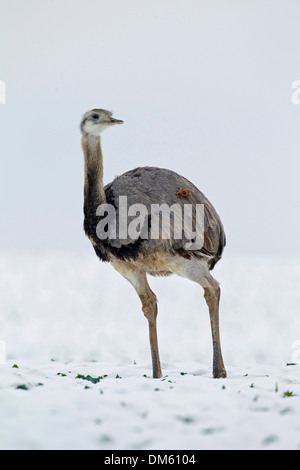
<point>93,165</point>
<point>94,194</point>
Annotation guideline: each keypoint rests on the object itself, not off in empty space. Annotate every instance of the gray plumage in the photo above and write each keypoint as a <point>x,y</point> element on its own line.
<point>150,185</point>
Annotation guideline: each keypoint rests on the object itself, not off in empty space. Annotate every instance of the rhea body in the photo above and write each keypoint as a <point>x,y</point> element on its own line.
<point>135,258</point>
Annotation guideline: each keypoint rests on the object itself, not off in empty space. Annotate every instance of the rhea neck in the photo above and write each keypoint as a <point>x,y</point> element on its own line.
<point>93,164</point>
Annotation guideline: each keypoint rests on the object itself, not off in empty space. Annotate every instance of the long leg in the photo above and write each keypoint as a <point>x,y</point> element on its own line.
<point>212,297</point>
<point>139,281</point>
<point>198,272</point>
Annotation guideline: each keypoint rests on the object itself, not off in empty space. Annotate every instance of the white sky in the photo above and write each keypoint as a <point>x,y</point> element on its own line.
<point>204,88</point>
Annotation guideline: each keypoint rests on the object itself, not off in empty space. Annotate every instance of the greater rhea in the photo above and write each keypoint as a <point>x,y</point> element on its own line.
<point>135,257</point>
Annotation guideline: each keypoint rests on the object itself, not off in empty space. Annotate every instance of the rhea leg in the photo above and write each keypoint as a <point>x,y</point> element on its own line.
<point>212,297</point>
<point>198,272</point>
<point>149,307</point>
<point>139,281</point>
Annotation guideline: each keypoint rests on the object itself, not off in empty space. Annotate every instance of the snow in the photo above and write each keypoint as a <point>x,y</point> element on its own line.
<point>66,314</point>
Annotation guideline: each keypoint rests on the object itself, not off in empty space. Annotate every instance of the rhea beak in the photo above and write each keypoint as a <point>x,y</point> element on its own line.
<point>116,121</point>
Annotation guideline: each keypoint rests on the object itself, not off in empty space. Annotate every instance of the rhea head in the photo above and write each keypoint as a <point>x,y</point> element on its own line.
<point>96,121</point>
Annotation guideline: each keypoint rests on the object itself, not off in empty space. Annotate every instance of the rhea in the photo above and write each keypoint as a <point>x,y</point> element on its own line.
<point>135,257</point>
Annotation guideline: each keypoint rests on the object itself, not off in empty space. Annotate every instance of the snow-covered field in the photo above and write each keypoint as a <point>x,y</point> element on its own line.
<point>68,318</point>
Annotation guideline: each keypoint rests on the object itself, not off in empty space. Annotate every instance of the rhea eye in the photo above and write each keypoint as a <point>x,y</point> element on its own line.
<point>96,117</point>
